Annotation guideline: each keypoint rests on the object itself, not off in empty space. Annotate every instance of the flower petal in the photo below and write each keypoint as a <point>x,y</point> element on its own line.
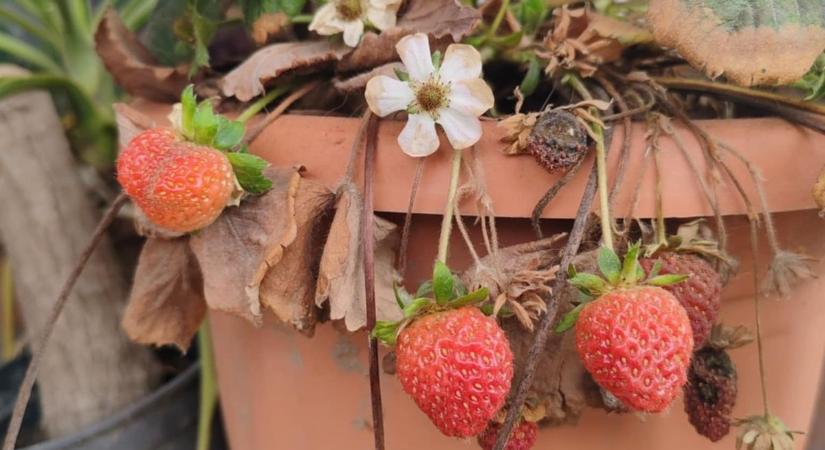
<point>387,95</point>
<point>418,138</point>
<point>352,32</point>
<point>382,13</point>
<point>414,51</point>
<point>463,130</point>
<point>461,62</point>
<point>326,22</point>
<point>472,97</point>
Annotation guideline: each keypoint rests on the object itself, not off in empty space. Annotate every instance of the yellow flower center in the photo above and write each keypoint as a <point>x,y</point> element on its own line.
<point>431,96</point>
<point>348,9</point>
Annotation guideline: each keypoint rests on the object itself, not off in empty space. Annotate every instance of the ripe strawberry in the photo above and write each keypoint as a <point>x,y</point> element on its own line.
<point>634,339</point>
<point>180,186</point>
<point>700,294</point>
<point>457,365</point>
<point>523,436</point>
<point>710,393</point>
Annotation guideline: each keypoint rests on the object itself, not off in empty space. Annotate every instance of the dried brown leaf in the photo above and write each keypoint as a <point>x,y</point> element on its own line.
<point>341,272</point>
<point>237,250</point>
<point>288,289</point>
<point>166,305</point>
<point>765,43</point>
<point>132,66</point>
<point>444,21</point>
<point>130,122</point>
<point>267,64</point>
<point>268,24</point>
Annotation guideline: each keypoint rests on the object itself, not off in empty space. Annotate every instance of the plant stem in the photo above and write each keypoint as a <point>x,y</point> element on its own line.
<point>301,18</point>
<point>7,298</point>
<point>447,220</point>
<point>757,313</point>
<point>261,103</point>
<point>661,236</point>
<point>209,387</point>
<point>502,10</point>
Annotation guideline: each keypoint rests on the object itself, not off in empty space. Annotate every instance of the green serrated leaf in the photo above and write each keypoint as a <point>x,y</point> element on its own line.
<point>229,135</point>
<point>249,171</point>
<point>188,104</point>
<point>609,265</point>
<point>442,283</point>
<point>569,319</point>
<point>425,289</point>
<point>666,280</point>
<point>474,297</point>
<point>401,75</point>
<point>415,306</point>
<point>205,124</point>
<point>531,78</point>
<point>437,59</point>
<point>630,266</point>
<point>588,283</point>
<point>386,332</point>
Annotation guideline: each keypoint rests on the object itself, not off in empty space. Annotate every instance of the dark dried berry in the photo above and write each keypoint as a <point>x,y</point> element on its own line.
<point>558,140</point>
<point>710,393</point>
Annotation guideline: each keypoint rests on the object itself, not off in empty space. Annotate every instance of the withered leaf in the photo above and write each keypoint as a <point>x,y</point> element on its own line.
<point>268,24</point>
<point>341,272</point>
<point>166,305</point>
<point>359,81</point>
<point>444,21</point>
<point>760,43</point>
<point>132,66</point>
<point>288,289</point>
<point>247,80</point>
<point>237,250</point>
<point>130,122</point>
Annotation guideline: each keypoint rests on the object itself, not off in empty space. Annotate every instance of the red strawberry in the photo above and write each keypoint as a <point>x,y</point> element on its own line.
<point>700,294</point>
<point>523,436</point>
<point>636,343</point>
<point>457,365</point>
<point>180,186</point>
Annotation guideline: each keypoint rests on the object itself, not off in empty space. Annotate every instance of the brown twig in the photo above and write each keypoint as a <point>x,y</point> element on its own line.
<point>537,348</point>
<point>42,343</point>
<point>355,151</point>
<point>401,261</point>
<point>296,95</point>
<point>367,222</point>
<point>551,193</point>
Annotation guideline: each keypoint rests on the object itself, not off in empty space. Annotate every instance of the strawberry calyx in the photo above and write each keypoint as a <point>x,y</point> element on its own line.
<point>444,292</point>
<point>692,237</point>
<point>198,123</point>
<point>616,274</point>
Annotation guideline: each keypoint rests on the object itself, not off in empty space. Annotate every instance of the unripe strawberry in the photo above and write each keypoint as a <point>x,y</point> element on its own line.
<point>457,365</point>
<point>180,186</point>
<point>523,436</point>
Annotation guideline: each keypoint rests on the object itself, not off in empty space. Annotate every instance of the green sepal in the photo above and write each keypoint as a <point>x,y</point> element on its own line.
<point>401,75</point>
<point>588,283</point>
<point>402,297</point>
<point>205,124</point>
<point>630,266</point>
<point>459,289</point>
<point>414,306</point>
<point>487,309</point>
<point>386,332</point>
<point>437,56</point>
<point>477,296</point>
<point>425,289</point>
<point>188,104</point>
<point>249,172</point>
<point>609,265</point>
<point>229,135</point>
<point>571,271</point>
<point>654,271</point>
<point>443,283</point>
<point>569,319</point>
<point>666,280</point>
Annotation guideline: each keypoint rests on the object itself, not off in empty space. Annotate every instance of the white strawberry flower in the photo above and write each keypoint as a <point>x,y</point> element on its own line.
<point>350,16</point>
<point>452,94</point>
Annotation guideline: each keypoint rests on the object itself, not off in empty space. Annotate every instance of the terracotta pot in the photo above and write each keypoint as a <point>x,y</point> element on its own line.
<point>280,390</point>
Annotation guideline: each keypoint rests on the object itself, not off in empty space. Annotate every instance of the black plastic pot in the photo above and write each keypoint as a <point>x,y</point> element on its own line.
<point>164,420</point>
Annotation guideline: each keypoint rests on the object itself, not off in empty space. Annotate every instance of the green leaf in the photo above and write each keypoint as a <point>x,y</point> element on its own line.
<point>531,78</point>
<point>474,297</point>
<point>205,124</point>
<point>630,266</point>
<point>386,332</point>
<point>188,104</point>
<point>401,75</point>
<point>425,289</point>
<point>531,14</point>
<point>229,135</point>
<point>253,9</point>
<point>437,59</point>
<point>569,319</point>
<point>609,265</point>
<point>666,280</point>
<point>510,40</point>
<point>402,297</point>
<point>416,305</point>
<point>249,171</point>
<point>588,283</point>
<point>442,283</point>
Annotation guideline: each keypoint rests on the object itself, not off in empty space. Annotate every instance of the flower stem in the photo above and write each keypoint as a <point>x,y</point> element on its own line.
<point>447,220</point>
<point>208,389</point>
<point>502,10</point>
<point>261,103</point>
<point>757,314</point>
<point>601,161</point>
